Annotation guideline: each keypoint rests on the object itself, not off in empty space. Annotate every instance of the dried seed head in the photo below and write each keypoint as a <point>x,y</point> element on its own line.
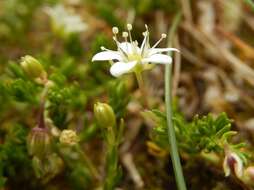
<point>39,142</point>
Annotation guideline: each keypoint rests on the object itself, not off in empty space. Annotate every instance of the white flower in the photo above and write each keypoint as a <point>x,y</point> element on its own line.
<point>65,22</point>
<point>129,57</point>
<point>233,163</point>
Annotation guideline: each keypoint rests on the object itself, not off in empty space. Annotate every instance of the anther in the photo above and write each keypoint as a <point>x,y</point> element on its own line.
<point>145,33</point>
<point>163,35</point>
<point>115,30</point>
<point>129,26</point>
<point>103,48</point>
<point>125,34</point>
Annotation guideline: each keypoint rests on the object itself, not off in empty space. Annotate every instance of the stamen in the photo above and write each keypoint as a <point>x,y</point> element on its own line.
<point>120,49</point>
<point>125,34</point>
<point>145,42</point>
<point>115,39</point>
<point>162,37</point>
<point>115,30</point>
<point>129,26</point>
<point>105,49</point>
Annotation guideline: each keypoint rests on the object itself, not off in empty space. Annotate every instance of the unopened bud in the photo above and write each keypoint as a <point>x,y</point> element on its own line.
<point>39,142</point>
<point>104,115</point>
<point>32,67</point>
<point>68,137</point>
<point>233,163</point>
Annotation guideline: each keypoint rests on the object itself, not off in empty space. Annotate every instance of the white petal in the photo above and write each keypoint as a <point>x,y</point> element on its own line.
<point>120,68</point>
<point>158,58</point>
<point>226,167</point>
<point>238,166</point>
<point>160,50</point>
<point>129,48</point>
<point>107,55</point>
<point>126,47</point>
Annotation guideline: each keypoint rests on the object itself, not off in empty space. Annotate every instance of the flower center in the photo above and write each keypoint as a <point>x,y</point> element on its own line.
<point>135,57</point>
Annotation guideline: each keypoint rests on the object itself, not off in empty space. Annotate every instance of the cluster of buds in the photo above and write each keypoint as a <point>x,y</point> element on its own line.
<point>68,137</point>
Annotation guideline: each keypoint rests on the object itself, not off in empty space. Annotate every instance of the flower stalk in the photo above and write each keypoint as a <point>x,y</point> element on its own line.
<point>112,132</point>
<point>171,131</point>
<point>141,86</point>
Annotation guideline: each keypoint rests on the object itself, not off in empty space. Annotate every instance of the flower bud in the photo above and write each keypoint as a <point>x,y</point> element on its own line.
<point>68,137</point>
<point>39,142</point>
<point>104,115</point>
<point>32,67</point>
<point>233,163</point>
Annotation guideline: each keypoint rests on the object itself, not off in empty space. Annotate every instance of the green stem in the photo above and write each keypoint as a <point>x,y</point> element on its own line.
<point>112,168</point>
<point>89,163</point>
<point>171,131</point>
<point>113,172</point>
<point>141,85</point>
<point>168,100</point>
